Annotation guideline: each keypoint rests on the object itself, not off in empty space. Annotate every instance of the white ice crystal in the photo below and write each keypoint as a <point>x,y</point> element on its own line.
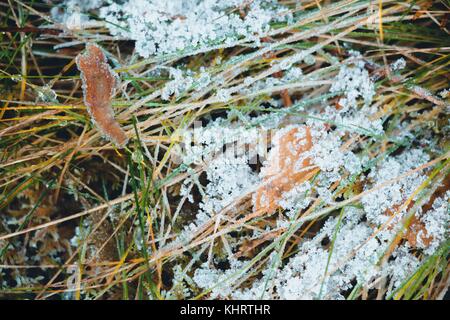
<point>401,267</point>
<point>179,84</point>
<point>183,81</point>
<point>297,198</point>
<point>223,95</point>
<point>292,74</point>
<point>398,64</point>
<point>444,93</point>
<point>325,151</point>
<point>178,290</point>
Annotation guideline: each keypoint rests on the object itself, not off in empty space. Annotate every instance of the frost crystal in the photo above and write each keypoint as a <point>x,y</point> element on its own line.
<point>201,143</point>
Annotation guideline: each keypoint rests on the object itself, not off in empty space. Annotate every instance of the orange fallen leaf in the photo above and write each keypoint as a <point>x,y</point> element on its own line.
<point>282,171</point>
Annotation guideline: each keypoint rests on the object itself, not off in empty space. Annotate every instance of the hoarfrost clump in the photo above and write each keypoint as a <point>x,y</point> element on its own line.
<point>297,198</point>
<point>183,81</point>
<point>302,276</point>
<point>161,27</point>
<point>81,233</point>
<point>326,152</point>
<point>378,203</point>
<point>228,173</point>
<point>229,178</point>
<point>402,267</point>
<point>179,290</point>
<point>293,74</point>
<point>354,257</point>
<point>201,143</point>
<point>223,95</point>
<point>444,93</point>
<point>398,64</point>
<point>179,84</point>
<point>219,281</point>
<point>354,80</point>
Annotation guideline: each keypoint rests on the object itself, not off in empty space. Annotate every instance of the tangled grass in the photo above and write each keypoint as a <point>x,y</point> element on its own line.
<point>81,218</point>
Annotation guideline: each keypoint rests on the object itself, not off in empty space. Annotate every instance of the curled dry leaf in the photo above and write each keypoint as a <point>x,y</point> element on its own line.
<point>99,82</point>
<point>283,170</point>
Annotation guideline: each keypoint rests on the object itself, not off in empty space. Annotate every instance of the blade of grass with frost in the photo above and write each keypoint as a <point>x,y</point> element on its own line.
<point>119,243</point>
<point>355,292</point>
<point>138,204</point>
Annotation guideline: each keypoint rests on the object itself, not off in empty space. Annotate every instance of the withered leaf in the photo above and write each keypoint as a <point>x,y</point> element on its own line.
<point>281,172</point>
<point>99,82</point>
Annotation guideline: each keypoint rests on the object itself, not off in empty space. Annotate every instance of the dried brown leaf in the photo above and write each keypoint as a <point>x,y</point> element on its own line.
<point>281,173</point>
<point>99,82</point>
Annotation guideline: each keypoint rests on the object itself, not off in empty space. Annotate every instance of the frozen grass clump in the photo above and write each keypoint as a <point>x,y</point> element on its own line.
<point>267,149</point>
<point>167,27</point>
